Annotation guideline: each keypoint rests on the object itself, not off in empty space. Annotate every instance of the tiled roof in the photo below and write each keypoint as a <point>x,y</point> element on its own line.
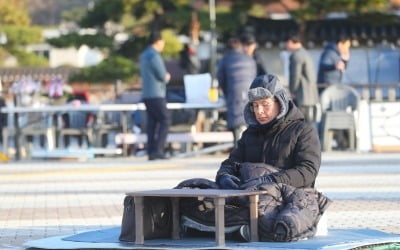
<point>13,74</point>
<point>320,31</point>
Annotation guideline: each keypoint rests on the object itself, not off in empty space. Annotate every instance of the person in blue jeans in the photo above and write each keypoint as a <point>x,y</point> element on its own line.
<point>154,80</point>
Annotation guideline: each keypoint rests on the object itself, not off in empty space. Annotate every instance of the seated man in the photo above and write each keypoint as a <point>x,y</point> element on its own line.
<point>278,147</point>
<point>277,135</point>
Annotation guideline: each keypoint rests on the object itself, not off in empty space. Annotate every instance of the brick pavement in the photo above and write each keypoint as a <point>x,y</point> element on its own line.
<point>47,198</point>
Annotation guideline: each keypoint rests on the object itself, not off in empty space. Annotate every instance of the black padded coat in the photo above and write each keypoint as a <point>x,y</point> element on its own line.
<point>289,144</point>
<point>286,213</point>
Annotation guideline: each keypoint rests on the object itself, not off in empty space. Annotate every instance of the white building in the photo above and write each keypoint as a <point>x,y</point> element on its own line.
<point>81,57</point>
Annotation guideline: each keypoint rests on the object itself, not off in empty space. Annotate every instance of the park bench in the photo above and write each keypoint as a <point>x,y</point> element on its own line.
<point>187,138</point>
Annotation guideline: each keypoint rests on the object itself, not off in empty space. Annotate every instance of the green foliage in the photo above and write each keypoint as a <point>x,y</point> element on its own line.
<point>76,40</point>
<point>132,48</point>
<point>317,9</point>
<point>29,59</point>
<point>257,10</point>
<point>171,18</point>
<point>144,9</point>
<point>103,11</point>
<point>108,71</point>
<point>172,45</point>
<point>141,8</point>
<point>3,56</point>
<point>154,14</point>
<point>227,24</point>
<point>371,17</point>
<point>14,13</point>
<point>73,15</point>
<point>21,35</point>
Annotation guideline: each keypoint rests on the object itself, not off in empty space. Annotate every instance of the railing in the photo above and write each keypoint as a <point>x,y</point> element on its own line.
<point>377,92</point>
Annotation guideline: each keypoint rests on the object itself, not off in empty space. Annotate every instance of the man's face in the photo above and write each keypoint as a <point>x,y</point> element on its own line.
<point>159,45</point>
<point>289,45</point>
<point>249,49</point>
<point>265,110</point>
<point>344,47</point>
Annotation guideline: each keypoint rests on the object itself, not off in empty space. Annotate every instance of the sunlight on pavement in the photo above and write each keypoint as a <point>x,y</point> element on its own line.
<point>89,171</point>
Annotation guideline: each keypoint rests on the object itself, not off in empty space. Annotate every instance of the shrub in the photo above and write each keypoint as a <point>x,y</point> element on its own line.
<point>109,70</point>
<point>21,35</point>
<point>29,59</point>
<point>172,45</point>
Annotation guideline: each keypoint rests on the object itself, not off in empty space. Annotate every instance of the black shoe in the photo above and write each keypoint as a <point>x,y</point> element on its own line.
<point>157,156</point>
<point>152,157</point>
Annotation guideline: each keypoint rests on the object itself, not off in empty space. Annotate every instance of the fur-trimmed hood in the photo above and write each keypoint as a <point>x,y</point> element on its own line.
<point>266,86</point>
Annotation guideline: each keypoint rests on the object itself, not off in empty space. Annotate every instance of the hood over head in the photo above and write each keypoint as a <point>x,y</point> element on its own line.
<point>332,46</point>
<point>266,86</point>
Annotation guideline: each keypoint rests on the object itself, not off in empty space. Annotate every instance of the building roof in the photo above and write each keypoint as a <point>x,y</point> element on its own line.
<point>320,31</point>
<point>37,73</point>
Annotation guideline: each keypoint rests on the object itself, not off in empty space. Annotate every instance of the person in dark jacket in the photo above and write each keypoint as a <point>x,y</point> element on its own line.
<point>279,152</point>
<point>302,78</point>
<point>188,60</point>
<point>154,80</point>
<point>235,72</point>
<point>333,61</point>
<point>250,48</point>
<point>277,135</point>
<point>332,65</point>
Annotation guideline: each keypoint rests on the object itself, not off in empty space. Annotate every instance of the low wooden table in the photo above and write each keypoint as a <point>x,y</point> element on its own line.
<point>219,196</point>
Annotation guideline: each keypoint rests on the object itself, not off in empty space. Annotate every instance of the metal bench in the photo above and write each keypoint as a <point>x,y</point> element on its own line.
<point>197,137</point>
<point>225,137</point>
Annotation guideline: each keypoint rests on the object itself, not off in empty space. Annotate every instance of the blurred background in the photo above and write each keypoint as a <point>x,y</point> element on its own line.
<point>98,41</point>
<point>93,46</point>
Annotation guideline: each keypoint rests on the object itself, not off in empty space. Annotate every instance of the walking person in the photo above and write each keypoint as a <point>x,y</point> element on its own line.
<point>333,61</point>
<point>154,80</point>
<point>302,78</point>
<point>332,65</point>
<point>249,44</point>
<point>235,72</point>
<point>188,60</point>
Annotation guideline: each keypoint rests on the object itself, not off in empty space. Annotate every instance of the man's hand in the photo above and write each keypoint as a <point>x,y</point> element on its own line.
<point>255,182</point>
<point>167,77</point>
<point>341,66</point>
<point>345,56</point>
<point>228,181</point>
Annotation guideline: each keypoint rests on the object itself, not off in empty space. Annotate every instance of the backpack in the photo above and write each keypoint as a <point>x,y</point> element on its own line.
<point>157,218</point>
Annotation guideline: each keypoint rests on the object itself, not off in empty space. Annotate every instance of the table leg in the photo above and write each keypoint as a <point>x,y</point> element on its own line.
<point>139,240</point>
<point>254,217</point>
<point>51,132</point>
<point>219,221</point>
<point>175,218</point>
<point>17,135</point>
<point>50,138</point>
<point>124,122</point>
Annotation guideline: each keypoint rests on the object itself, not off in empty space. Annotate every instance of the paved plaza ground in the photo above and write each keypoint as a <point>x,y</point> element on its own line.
<point>46,198</point>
